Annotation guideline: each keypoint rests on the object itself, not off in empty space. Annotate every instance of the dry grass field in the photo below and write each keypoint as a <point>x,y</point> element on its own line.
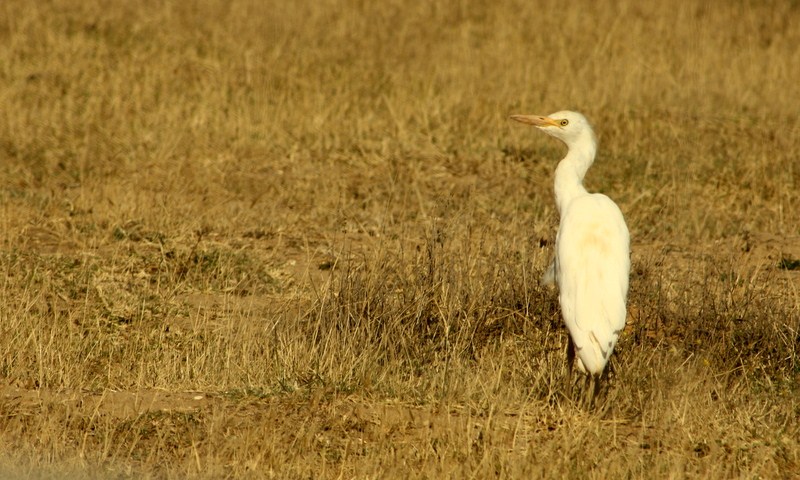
<point>294,239</point>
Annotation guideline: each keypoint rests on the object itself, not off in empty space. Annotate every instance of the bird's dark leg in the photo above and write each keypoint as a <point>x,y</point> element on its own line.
<point>570,365</point>
<point>599,382</point>
<point>586,388</point>
<point>589,389</point>
<point>609,370</point>
<point>596,382</point>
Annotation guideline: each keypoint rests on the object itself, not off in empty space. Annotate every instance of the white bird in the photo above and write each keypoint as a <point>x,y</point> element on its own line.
<point>592,259</point>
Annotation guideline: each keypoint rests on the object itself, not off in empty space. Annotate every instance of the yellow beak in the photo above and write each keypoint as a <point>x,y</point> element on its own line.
<point>535,120</point>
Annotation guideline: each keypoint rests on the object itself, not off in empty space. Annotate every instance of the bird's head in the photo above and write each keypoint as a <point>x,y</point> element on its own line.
<point>569,127</point>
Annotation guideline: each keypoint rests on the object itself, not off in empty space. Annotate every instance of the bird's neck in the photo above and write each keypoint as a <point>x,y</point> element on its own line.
<point>571,170</point>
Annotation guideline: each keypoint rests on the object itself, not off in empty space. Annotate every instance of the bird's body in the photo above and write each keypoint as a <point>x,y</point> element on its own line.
<point>591,269</point>
<point>592,260</point>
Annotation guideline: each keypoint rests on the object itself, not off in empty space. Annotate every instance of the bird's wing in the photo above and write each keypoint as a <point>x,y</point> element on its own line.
<point>593,258</point>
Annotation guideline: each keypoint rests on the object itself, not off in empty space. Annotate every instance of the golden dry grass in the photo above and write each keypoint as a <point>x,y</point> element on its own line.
<point>301,239</point>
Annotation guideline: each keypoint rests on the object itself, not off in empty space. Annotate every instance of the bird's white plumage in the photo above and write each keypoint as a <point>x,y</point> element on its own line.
<point>592,265</point>
<point>592,259</point>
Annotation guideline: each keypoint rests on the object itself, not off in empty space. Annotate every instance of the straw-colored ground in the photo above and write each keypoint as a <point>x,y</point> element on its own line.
<point>246,239</point>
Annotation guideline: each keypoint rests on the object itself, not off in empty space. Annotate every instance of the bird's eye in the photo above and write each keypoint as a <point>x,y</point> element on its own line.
<point>564,122</point>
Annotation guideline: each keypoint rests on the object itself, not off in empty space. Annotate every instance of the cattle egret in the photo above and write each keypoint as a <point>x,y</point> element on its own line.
<point>592,259</point>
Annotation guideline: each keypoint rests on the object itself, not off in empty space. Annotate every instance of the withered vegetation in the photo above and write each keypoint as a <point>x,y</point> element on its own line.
<point>302,240</point>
